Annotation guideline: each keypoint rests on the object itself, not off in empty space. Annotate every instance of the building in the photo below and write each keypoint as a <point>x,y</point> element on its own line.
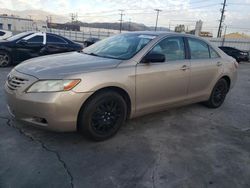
<point>236,36</point>
<point>198,27</point>
<point>205,34</point>
<point>180,29</point>
<point>17,24</point>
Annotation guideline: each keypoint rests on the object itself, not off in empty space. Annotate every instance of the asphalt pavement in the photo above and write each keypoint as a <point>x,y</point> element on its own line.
<point>186,147</point>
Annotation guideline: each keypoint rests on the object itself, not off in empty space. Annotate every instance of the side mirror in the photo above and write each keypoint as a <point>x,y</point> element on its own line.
<point>23,42</point>
<point>154,58</point>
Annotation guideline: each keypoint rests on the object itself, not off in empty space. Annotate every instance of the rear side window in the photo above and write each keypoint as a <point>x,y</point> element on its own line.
<point>54,39</point>
<point>172,48</point>
<point>1,33</point>
<point>213,53</point>
<point>36,39</point>
<point>198,49</point>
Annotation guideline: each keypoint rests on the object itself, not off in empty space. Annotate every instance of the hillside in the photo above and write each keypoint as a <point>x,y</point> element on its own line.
<point>116,26</point>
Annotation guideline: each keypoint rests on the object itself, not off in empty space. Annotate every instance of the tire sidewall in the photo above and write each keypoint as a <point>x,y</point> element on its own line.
<point>2,52</point>
<point>88,110</point>
<point>211,100</point>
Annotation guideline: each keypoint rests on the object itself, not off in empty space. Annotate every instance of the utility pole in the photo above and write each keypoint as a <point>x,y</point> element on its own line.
<point>129,24</point>
<point>73,17</point>
<point>49,19</point>
<point>221,19</point>
<point>224,37</point>
<point>121,14</point>
<point>157,10</point>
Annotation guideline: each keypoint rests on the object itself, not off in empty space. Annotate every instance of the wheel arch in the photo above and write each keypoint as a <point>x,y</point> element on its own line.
<point>116,89</point>
<point>5,49</point>
<point>227,78</point>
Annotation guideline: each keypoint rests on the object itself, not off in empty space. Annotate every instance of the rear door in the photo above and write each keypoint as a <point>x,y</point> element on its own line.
<point>206,67</point>
<point>163,83</point>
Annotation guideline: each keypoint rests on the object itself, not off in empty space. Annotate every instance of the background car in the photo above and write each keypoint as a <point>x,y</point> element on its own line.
<point>90,41</point>
<point>237,54</point>
<point>5,34</point>
<point>28,45</point>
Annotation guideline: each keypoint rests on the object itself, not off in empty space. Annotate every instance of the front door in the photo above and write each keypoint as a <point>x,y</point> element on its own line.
<point>29,47</point>
<point>164,83</point>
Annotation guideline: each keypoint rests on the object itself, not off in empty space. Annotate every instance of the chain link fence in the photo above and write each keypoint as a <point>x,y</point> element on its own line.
<point>80,36</point>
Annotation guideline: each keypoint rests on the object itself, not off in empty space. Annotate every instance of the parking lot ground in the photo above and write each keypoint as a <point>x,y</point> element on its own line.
<point>187,147</point>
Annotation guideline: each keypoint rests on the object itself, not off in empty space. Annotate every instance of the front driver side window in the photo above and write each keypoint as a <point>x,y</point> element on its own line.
<point>172,48</point>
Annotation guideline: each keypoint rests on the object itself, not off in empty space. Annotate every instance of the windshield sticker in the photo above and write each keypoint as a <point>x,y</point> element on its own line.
<point>147,36</point>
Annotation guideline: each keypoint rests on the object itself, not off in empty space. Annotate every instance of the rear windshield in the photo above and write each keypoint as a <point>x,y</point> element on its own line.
<point>18,36</point>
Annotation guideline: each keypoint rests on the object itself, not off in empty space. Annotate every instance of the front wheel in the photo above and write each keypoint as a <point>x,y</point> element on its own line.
<point>218,94</point>
<point>103,115</point>
<point>5,59</point>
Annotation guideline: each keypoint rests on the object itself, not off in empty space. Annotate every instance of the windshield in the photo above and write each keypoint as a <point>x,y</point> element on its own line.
<point>123,46</point>
<point>18,36</point>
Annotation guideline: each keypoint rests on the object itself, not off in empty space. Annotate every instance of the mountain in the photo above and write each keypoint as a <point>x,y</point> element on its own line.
<point>129,26</point>
<point>43,15</point>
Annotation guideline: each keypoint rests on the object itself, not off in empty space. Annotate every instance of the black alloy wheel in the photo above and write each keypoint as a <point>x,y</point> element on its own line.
<point>218,95</point>
<point>5,59</point>
<point>103,115</point>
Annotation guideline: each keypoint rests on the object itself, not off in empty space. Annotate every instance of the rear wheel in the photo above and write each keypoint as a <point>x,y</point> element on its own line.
<point>5,59</point>
<point>103,115</point>
<point>218,94</point>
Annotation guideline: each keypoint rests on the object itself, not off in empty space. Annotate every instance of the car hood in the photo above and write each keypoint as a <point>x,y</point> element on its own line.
<point>65,64</point>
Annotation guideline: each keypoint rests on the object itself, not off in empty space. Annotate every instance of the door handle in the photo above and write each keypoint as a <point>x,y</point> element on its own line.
<point>184,67</point>
<point>219,64</point>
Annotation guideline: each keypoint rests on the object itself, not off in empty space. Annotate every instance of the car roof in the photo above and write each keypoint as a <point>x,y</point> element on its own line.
<point>165,33</point>
<point>155,33</point>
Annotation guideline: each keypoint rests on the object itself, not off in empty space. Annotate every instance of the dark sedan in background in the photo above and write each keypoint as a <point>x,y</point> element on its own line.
<point>237,54</point>
<point>90,41</point>
<point>28,45</point>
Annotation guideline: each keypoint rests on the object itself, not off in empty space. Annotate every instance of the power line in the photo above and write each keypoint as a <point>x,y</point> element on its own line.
<point>240,4</point>
<point>205,6</point>
<point>121,14</point>
<point>221,19</point>
<point>197,2</point>
<point>156,22</point>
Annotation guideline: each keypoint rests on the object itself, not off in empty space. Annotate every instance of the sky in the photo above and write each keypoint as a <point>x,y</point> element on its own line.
<point>173,12</point>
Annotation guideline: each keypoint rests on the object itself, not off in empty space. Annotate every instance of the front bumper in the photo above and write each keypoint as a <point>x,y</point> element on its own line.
<point>243,58</point>
<point>56,111</point>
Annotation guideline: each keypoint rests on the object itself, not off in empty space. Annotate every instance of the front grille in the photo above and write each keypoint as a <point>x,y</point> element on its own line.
<point>15,82</point>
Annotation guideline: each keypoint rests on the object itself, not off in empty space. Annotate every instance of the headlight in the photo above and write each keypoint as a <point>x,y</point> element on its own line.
<point>52,86</point>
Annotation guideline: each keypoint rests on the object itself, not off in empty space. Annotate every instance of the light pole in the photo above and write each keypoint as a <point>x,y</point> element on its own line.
<point>156,22</point>
<point>221,19</point>
<point>121,14</point>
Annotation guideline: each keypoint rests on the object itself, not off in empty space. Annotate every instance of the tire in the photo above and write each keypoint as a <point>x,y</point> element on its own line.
<point>102,116</point>
<point>218,94</point>
<point>5,59</point>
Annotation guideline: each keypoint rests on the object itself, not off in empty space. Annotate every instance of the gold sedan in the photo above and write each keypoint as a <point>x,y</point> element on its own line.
<point>121,77</point>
